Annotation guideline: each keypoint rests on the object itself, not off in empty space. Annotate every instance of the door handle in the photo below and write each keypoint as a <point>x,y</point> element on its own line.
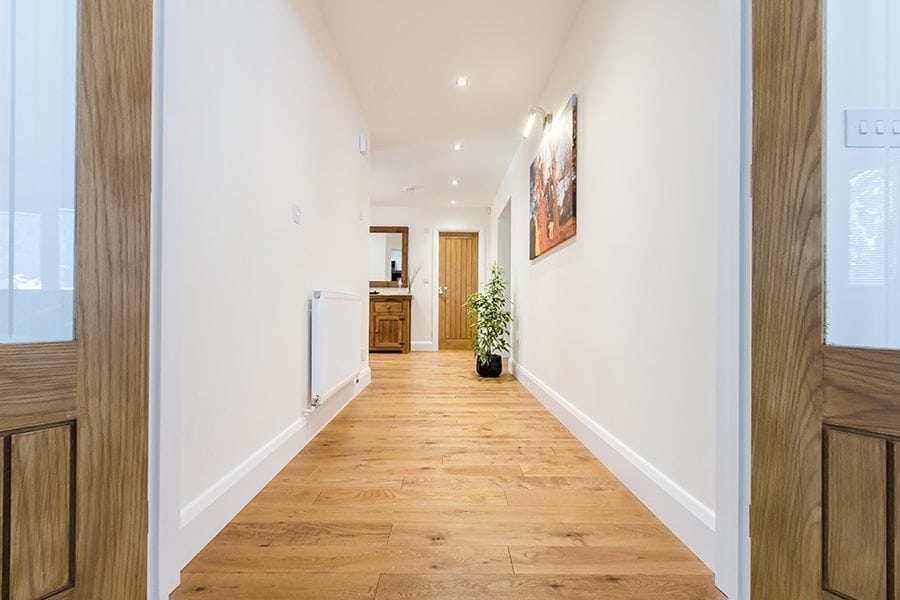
<point>441,290</point>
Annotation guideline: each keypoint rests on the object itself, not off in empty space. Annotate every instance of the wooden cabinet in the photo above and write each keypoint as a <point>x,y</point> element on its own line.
<point>389,323</point>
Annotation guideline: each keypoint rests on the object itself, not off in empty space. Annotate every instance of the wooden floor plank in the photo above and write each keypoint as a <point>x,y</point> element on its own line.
<point>510,482</point>
<point>305,533</point>
<point>411,497</point>
<point>528,533</point>
<point>436,484</point>
<point>519,587</point>
<point>274,511</point>
<point>631,556</point>
<point>274,586</point>
<point>572,497</point>
<point>239,557</point>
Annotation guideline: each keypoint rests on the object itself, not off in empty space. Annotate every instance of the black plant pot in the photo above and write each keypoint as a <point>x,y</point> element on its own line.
<point>492,368</point>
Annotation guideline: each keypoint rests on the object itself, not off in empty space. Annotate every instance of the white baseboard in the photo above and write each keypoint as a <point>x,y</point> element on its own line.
<point>423,347</point>
<point>690,520</point>
<point>365,378</point>
<point>204,517</point>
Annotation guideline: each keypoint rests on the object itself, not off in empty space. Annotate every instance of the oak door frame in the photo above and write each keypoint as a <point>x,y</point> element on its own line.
<point>112,314</point>
<point>436,269</point>
<point>787,370</point>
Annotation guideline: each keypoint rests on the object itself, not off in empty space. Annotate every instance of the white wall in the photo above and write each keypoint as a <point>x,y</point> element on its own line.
<point>616,330</point>
<point>424,225</point>
<point>258,115</point>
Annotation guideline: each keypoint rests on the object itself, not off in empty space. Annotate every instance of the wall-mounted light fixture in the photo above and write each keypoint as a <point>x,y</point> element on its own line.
<point>533,115</point>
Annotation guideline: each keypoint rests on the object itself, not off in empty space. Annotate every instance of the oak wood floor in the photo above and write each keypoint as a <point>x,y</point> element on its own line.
<point>435,484</point>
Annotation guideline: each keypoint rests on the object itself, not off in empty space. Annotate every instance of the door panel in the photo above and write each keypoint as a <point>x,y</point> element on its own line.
<point>458,277</point>
<point>826,419</point>
<point>3,518</point>
<point>388,332</point>
<point>855,514</point>
<point>41,512</point>
<point>74,415</point>
<point>895,515</point>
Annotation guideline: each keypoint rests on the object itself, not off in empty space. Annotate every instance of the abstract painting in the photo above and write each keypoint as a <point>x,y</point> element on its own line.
<point>553,177</point>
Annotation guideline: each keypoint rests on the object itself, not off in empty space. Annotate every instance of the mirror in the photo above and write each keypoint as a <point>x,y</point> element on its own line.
<point>388,256</point>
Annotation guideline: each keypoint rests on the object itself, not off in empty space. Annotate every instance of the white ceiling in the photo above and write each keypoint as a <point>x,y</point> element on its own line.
<point>404,56</point>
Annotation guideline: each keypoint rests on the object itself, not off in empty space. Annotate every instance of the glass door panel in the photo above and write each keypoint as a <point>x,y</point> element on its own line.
<point>862,162</point>
<point>38,69</point>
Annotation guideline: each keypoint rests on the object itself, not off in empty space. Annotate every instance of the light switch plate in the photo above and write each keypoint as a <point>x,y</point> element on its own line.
<point>894,127</point>
<point>296,213</point>
<point>872,128</point>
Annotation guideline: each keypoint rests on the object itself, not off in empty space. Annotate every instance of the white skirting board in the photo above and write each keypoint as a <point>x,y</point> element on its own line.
<point>690,520</point>
<point>423,347</point>
<point>209,513</point>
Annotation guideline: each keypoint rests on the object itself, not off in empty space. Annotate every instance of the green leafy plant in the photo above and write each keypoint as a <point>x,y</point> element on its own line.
<point>489,309</point>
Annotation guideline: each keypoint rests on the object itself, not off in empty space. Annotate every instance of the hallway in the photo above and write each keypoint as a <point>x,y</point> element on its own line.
<point>435,484</point>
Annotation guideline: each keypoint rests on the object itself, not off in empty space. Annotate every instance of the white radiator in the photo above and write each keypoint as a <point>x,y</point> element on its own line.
<point>335,343</point>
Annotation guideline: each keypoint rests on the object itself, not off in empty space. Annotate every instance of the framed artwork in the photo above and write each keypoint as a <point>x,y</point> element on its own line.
<point>553,183</point>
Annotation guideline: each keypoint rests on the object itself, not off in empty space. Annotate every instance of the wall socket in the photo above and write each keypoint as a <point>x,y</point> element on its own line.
<point>872,128</point>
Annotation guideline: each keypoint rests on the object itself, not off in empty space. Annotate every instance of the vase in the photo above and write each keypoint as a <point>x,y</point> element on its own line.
<point>492,368</point>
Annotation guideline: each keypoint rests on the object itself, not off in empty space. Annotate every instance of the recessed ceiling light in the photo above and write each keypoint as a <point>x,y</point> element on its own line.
<point>462,81</point>
<point>455,182</point>
<point>453,202</point>
<point>409,188</point>
<point>457,146</point>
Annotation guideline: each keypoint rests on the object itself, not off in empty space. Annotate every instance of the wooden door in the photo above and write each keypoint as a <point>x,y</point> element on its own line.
<point>387,332</point>
<point>458,277</point>
<point>73,415</point>
<point>825,418</point>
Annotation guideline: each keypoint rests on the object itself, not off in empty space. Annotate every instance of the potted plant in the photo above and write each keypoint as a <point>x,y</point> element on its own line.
<point>489,309</point>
